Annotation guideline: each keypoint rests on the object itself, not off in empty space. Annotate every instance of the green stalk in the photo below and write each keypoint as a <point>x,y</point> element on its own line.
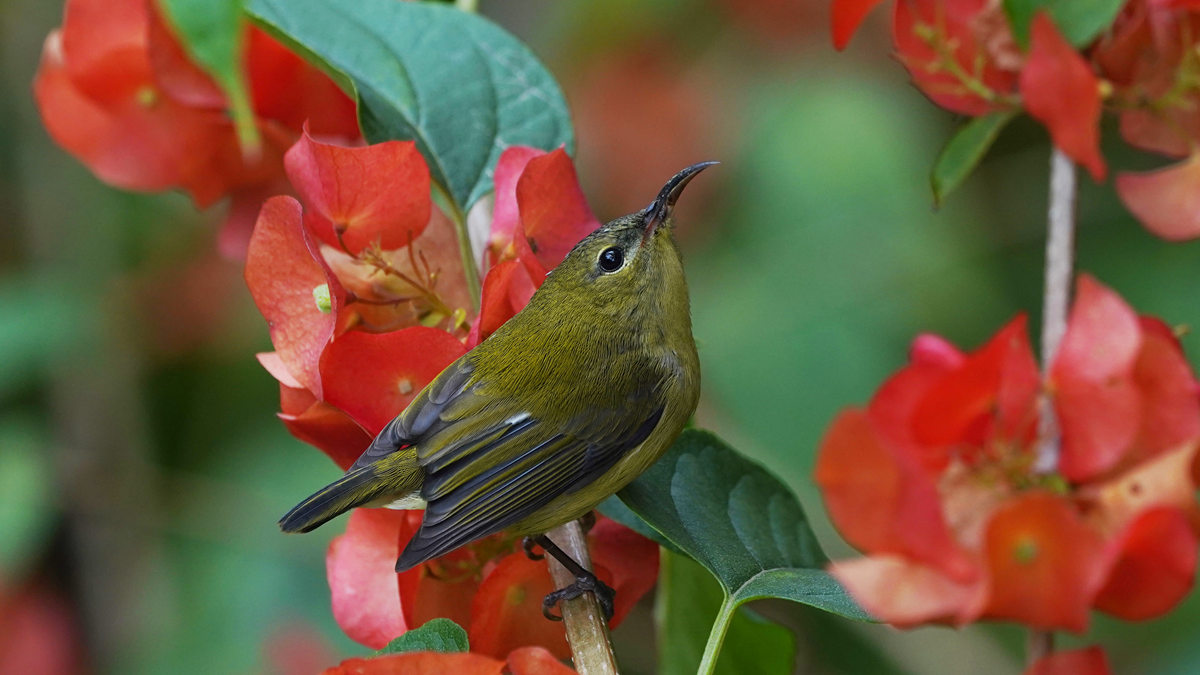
<point>470,269</point>
<point>712,649</point>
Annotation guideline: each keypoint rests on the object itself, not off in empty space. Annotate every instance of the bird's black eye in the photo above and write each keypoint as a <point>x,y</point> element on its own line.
<point>611,259</point>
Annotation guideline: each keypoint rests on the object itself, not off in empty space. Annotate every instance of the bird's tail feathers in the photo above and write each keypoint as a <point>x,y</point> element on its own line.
<point>392,477</point>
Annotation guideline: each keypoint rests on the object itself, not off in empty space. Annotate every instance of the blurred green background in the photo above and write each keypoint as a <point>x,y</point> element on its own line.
<point>141,465</point>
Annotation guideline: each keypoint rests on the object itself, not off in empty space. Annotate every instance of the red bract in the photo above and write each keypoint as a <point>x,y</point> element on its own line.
<point>1061,92</point>
<point>489,586</point>
<point>1167,201</point>
<point>376,194</point>
<point>960,54</point>
<point>845,17</point>
<point>524,661</point>
<point>283,270</point>
<point>935,479</point>
<point>117,90</point>
<point>375,376</point>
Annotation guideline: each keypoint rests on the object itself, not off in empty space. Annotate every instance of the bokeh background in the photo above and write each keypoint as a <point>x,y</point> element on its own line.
<point>141,465</point>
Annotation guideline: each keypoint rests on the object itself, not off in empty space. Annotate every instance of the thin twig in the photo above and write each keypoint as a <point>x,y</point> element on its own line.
<point>587,631</point>
<point>1060,246</point>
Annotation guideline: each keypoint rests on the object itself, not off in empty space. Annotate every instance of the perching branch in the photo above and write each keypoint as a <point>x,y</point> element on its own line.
<point>587,631</point>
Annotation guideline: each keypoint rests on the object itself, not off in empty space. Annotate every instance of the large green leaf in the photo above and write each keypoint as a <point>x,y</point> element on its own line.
<point>436,635</point>
<point>1080,21</point>
<point>463,88</point>
<point>967,146</point>
<point>688,601</point>
<point>739,521</point>
<point>212,34</point>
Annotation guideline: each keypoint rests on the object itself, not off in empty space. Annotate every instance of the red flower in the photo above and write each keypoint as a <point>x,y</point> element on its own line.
<point>116,90</point>
<point>935,480</point>
<point>959,53</point>
<point>490,586</point>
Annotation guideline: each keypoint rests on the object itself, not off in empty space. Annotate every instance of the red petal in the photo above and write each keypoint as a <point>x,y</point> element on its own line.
<point>992,393</point>
<point>442,587</point>
<point>625,560</point>
<point>554,212</point>
<point>1090,661</point>
<point>536,661</point>
<point>1167,201</point>
<point>505,215</point>
<point>1046,564</point>
<point>496,307</point>
<point>282,269</point>
<point>97,33</point>
<point>287,89</point>
<point>881,500</point>
<point>322,425</point>
<point>361,569</point>
<point>1096,401</point>
<point>420,663</point>
<point>373,194</point>
<point>847,15</point>
<point>905,593</point>
<point>374,376</point>
<point>507,611</point>
<point>959,26</point>
<point>1155,568</point>
<point>1170,414</point>
<point>1060,90</point>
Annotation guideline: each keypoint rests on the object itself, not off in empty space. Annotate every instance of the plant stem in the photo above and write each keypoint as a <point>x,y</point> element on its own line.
<point>467,256</point>
<point>467,5</point>
<point>1060,245</point>
<point>716,637</point>
<point>1038,644</point>
<point>587,631</point>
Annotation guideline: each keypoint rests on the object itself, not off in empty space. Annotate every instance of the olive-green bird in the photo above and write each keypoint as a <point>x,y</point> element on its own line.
<point>561,407</point>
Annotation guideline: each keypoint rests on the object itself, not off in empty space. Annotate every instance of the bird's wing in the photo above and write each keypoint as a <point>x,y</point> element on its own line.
<point>423,416</point>
<point>503,472</point>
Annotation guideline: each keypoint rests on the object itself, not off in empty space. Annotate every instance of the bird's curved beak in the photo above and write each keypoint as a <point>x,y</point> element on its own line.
<point>659,210</point>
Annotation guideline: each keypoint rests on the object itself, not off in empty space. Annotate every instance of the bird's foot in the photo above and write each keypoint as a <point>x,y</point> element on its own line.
<point>584,583</point>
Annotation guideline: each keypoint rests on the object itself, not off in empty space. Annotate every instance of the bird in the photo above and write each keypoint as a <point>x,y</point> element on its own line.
<point>562,406</point>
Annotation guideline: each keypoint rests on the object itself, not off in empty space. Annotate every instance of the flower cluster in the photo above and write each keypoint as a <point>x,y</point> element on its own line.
<point>362,286</point>
<point>116,90</point>
<point>936,479</point>
<point>1145,68</point>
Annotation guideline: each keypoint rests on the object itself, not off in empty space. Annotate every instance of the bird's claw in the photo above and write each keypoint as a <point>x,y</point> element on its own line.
<point>583,584</point>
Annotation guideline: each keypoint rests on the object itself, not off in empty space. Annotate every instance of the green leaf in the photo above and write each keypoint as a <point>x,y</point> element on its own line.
<point>741,523</point>
<point>1080,21</point>
<point>211,32</point>
<point>460,86</point>
<point>687,601</point>
<point>614,508</point>
<point>26,496</point>
<point>962,153</point>
<point>437,635</point>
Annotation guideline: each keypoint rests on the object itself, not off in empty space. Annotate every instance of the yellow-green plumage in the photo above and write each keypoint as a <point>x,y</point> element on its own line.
<point>562,406</point>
